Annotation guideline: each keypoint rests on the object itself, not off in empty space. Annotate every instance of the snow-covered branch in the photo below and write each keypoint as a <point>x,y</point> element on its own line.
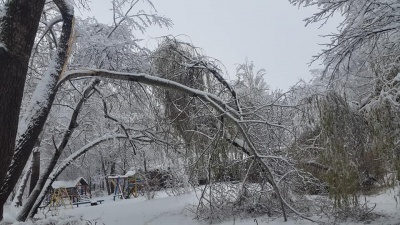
<point>66,162</point>
<point>57,152</point>
<point>33,119</point>
<point>150,80</point>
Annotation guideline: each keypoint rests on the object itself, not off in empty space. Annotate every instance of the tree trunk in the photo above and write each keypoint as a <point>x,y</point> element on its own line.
<point>33,120</point>
<point>144,162</point>
<point>112,172</point>
<point>35,192</point>
<point>17,201</point>
<point>17,34</point>
<point>56,172</point>
<point>35,170</point>
<point>103,167</point>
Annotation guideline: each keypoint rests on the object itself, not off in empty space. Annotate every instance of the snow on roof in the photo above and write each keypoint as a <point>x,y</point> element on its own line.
<point>69,183</point>
<point>117,176</point>
<point>130,173</point>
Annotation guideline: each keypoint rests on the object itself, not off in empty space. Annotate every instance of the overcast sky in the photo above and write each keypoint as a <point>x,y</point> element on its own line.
<point>271,33</point>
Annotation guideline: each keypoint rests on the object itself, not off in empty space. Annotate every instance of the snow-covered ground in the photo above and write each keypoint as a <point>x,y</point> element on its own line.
<point>173,210</point>
<point>164,209</point>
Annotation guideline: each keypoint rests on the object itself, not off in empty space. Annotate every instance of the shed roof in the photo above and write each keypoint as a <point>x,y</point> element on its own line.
<point>69,183</point>
<point>130,173</point>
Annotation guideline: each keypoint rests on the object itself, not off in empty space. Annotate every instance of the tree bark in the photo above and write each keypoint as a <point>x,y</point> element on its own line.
<point>32,122</point>
<point>35,170</point>
<point>105,174</point>
<point>17,34</point>
<point>215,102</point>
<point>57,171</point>
<point>17,201</point>
<point>112,172</point>
<point>35,192</point>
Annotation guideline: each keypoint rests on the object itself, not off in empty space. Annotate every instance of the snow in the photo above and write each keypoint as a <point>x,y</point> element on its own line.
<point>3,46</point>
<point>152,80</point>
<point>164,210</point>
<point>9,216</point>
<point>2,11</point>
<point>117,176</point>
<point>130,173</point>
<point>38,104</point>
<point>39,100</point>
<point>69,6</point>
<point>67,184</point>
<point>81,151</point>
<point>397,78</point>
<point>175,210</point>
<point>50,24</point>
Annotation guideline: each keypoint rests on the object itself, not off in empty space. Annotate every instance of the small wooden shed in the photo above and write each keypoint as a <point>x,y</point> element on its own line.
<point>77,190</point>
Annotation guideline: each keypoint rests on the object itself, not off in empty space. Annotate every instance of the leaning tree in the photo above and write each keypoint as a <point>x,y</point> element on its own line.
<point>19,24</point>
<point>234,121</point>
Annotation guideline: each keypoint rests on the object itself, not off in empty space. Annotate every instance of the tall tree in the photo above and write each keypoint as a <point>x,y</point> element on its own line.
<point>200,88</point>
<point>19,24</point>
<point>35,170</point>
<point>365,49</point>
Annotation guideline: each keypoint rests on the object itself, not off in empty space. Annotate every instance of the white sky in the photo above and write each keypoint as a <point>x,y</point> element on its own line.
<point>271,33</point>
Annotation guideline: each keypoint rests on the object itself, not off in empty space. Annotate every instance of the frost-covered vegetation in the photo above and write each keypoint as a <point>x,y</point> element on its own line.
<point>93,102</point>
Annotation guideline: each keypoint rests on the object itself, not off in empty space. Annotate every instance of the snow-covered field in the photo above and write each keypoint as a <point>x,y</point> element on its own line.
<point>173,210</point>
